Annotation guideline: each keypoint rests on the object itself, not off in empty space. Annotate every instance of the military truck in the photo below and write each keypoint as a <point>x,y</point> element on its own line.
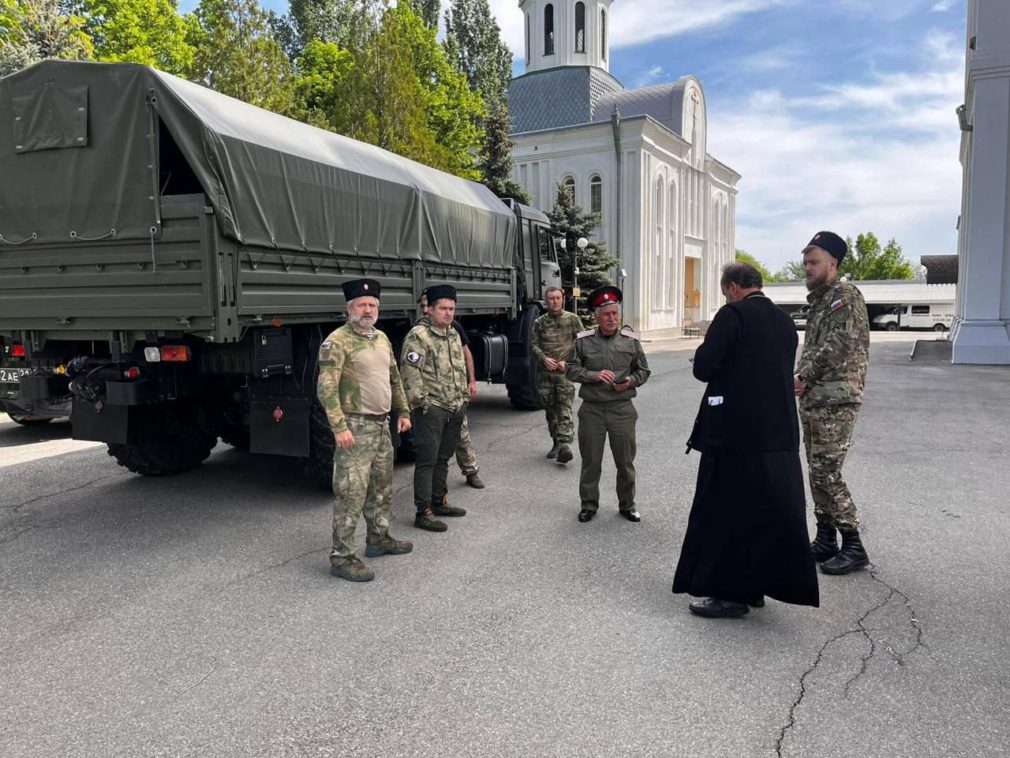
<point>171,259</point>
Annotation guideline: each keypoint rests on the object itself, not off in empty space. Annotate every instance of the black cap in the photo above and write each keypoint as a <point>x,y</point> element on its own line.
<point>440,292</point>
<point>360,288</point>
<point>604,295</point>
<point>830,243</point>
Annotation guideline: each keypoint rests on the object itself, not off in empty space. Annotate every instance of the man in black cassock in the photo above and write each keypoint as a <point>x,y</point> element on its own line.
<point>747,532</point>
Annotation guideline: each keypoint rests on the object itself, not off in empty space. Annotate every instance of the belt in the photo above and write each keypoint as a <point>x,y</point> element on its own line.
<point>379,418</point>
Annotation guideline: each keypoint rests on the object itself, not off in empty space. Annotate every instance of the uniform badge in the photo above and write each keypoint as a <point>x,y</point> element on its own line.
<point>413,357</point>
<point>839,303</point>
<point>327,344</point>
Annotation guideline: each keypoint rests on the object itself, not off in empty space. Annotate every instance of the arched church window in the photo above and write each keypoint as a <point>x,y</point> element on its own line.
<point>596,194</point>
<point>580,27</point>
<point>569,184</point>
<point>671,250</point>
<point>549,30</point>
<point>658,279</point>
<point>603,34</point>
<point>527,38</point>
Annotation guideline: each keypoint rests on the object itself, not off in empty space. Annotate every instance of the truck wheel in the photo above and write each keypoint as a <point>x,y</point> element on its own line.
<point>891,326</point>
<point>319,464</point>
<point>939,328</point>
<point>171,441</point>
<point>523,397</point>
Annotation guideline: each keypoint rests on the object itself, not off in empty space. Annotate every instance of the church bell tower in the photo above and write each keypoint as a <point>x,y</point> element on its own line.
<point>566,33</point>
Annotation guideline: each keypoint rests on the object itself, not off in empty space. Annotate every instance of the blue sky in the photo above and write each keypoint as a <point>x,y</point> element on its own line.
<point>839,114</point>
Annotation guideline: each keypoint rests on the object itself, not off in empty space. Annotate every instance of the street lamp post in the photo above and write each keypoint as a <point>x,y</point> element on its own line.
<point>582,244</point>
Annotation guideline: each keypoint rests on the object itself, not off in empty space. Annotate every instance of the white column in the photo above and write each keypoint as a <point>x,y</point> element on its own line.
<point>982,331</point>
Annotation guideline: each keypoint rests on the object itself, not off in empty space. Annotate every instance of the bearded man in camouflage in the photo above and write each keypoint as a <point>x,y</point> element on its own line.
<point>358,386</point>
<point>553,337</point>
<point>829,383</point>
<point>437,389</point>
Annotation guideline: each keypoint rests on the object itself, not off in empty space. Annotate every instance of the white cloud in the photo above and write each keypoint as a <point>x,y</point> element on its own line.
<point>651,75</point>
<point>879,156</point>
<point>640,21</point>
<point>943,5</point>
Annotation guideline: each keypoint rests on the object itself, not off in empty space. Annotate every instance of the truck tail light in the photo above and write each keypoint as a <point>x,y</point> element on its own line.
<point>176,353</point>
<point>18,351</point>
<point>152,355</point>
<point>131,373</point>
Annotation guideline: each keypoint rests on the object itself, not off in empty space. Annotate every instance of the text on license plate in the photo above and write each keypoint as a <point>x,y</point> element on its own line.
<point>11,375</point>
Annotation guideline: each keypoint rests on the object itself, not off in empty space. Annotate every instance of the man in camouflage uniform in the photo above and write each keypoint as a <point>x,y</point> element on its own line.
<point>553,337</point>
<point>829,382</point>
<point>466,456</point>
<point>435,382</point>
<point>610,365</point>
<point>358,386</point>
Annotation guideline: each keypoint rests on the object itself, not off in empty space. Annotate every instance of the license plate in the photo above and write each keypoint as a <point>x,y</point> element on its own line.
<point>11,375</point>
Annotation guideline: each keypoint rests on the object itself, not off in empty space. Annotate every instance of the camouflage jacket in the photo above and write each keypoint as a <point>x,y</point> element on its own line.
<point>358,374</point>
<point>554,336</point>
<point>836,346</point>
<point>621,353</point>
<point>434,371</point>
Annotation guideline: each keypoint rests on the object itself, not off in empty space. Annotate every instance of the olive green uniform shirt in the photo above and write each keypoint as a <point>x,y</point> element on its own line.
<point>836,347</point>
<point>358,374</point>
<point>433,368</point>
<point>554,336</point>
<point>622,353</point>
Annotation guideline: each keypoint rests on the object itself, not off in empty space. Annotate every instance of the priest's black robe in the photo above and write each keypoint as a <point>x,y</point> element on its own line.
<point>747,533</point>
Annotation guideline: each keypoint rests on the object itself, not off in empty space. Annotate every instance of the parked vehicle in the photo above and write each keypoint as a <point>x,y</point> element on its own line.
<point>171,260</point>
<point>937,317</point>
<point>800,318</point>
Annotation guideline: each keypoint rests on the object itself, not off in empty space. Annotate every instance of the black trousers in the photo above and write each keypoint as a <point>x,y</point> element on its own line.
<point>436,437</point>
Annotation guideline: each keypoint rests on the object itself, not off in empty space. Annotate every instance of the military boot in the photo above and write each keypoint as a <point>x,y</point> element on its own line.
<point>564,454</point>
<point>825,544</point>
<point>475,481</point>
<point>852,556</point>
<point>388,545</point>
<point>554,450</point>
<point>426,520</point>
<point>442,508</point>
<point>352,569</point>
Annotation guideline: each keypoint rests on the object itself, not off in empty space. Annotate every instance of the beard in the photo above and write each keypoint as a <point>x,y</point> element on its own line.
<point>816,282</point>
<point>362,322</point>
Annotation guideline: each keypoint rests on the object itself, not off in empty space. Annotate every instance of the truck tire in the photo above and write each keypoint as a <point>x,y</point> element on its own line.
<point>171,442</point>
<point>319,465</point>
<point>891,326</point>
<point>523,396</point>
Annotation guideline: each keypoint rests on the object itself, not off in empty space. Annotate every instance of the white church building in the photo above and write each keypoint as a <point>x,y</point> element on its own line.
<point>637,157</point>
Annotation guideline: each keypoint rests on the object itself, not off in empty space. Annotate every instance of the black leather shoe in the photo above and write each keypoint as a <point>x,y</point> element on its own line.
<point>632,515</point>
<point>825,544</point>
<point>714,608</point>
<point>428,522</point>
<point>565,454</point>
<point>586,515</point>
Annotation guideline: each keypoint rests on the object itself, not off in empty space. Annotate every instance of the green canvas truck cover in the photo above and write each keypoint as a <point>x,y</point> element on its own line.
<point>80,161</point>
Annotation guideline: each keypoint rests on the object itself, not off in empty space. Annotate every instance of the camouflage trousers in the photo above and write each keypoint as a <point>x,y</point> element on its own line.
<point>362,483</point>
<point>556,394</point>
<point>466,458</point>
<point>827,434</point>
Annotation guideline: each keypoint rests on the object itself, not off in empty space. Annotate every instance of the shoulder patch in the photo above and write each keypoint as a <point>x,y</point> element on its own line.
<point>326,345</point>
<point>627,331</point>
<point>839,304</point>
<point>585,333</point>
<point>413,357</point>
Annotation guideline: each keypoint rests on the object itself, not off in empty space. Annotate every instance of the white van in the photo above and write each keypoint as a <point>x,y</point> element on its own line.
<point>935,316</point>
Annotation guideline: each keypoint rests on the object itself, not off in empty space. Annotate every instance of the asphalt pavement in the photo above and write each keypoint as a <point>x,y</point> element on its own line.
<point>194,615</point>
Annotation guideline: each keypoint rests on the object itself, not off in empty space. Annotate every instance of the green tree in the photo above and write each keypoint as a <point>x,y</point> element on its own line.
<point>139,31</point>
<point>235,53</point>
<point>496,164</point>
<point>429,10</point>
<point>595,262</point>
<point>867,260</point>
<point>791,272</point>
<point>345,22</point>
<point>34,30</point>
<point>766,275</point>
<point>325,83</point>
<point>473,41</point>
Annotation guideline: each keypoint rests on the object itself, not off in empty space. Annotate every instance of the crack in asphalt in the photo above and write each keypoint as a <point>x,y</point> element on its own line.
<point>861,629</point>
<point>18,506</point>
